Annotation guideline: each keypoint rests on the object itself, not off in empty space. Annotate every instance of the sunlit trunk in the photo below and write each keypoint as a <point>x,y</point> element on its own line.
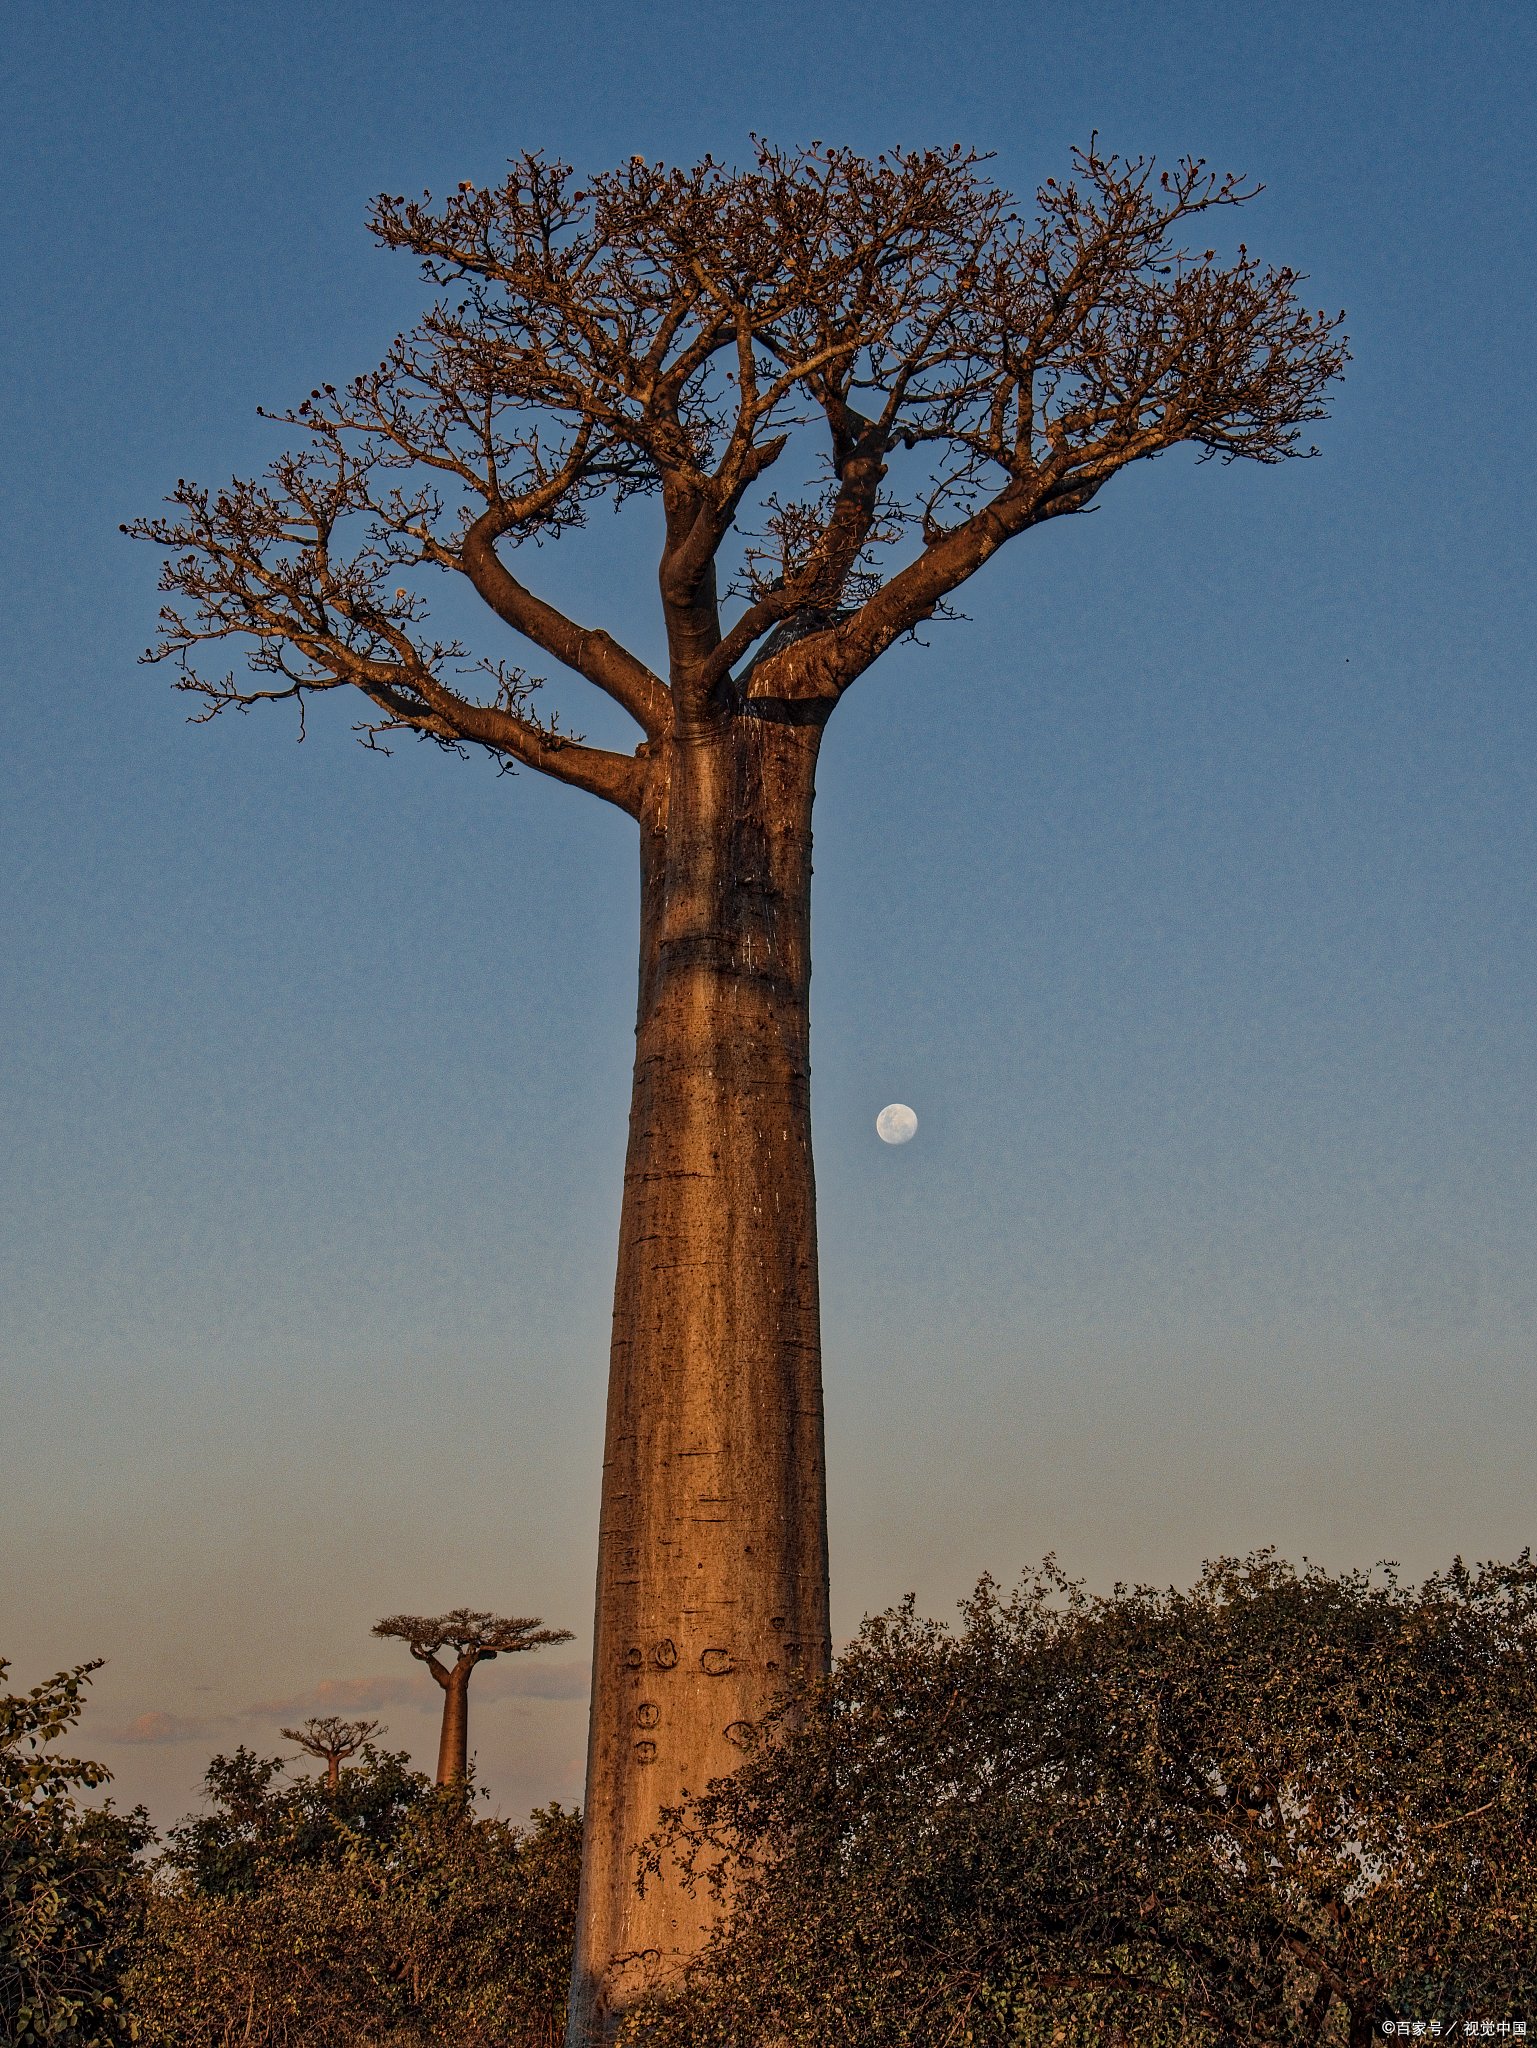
<point>712,1557</point>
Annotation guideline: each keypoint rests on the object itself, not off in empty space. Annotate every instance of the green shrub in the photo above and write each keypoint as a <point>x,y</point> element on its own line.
<point>71,1892</point>
<point>390,1915</point>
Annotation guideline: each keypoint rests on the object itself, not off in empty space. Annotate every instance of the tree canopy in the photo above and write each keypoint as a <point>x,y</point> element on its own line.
<point>255,1819</point>
<point>473,1636</point>
<point>332,1739</point>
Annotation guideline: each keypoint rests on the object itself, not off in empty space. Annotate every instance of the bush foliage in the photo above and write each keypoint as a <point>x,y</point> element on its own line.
<point>1279,1808</point>
<point>386,1915</point>
<point>70,1901</point>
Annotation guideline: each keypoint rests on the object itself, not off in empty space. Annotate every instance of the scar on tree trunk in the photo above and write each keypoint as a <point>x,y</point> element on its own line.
<point>475,1637</point>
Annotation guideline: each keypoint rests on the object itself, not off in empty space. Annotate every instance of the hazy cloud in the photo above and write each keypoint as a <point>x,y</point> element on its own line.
<point>157,1727</point>
<point>507,1678</point>
<point>349,1696</point>
<point>516,1679</point>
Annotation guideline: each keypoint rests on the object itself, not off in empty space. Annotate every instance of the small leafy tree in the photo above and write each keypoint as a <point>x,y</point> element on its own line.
<point>1278,1808</point>
<point>71,1894</point>
<point>256,1823</point>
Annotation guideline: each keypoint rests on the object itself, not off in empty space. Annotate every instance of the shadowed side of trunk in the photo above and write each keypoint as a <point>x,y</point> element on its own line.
<point>712,1564</point>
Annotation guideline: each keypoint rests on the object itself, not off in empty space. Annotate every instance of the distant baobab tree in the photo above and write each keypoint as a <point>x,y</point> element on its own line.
<point>972,373</point>
<point>333,1741</point>
<point>474,1638</point>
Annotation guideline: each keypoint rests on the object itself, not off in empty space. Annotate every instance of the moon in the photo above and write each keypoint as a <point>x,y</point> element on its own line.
<point>896,1123</point>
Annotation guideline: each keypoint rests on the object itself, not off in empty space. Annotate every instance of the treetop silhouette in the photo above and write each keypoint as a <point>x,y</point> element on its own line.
<point>333,1740</point>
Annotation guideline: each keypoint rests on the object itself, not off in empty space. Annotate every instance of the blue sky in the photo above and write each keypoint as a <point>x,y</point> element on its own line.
<point>1185,890</point>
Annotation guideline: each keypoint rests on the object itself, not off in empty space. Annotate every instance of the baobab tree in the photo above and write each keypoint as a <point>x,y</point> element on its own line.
<point>971,372</point>
<point>332,1740</point>
<point>474,1638</point>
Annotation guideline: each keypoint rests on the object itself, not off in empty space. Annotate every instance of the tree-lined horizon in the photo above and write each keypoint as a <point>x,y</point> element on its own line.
<point>972,372</point>
<point>1282,1807</point>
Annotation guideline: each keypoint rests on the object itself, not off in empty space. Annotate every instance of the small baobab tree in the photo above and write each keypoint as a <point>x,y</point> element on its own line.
<point>474,1638</point>
<point>971,371</point>
<point>333,1740</point>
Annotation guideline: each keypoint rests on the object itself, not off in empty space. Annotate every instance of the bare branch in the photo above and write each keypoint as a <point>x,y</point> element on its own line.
<point>661,329</point>
<point>256,561</point>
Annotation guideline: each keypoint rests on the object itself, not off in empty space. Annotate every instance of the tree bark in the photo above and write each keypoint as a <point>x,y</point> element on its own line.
<point>453,1743</point>
<point>712,1556</point>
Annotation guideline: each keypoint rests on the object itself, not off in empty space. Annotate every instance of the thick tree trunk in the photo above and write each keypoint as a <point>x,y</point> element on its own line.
<point>454,1741</point>
<point>712,1555</point>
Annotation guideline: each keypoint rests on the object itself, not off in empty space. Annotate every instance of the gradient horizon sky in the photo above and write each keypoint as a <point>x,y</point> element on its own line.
<point>1184,890</point>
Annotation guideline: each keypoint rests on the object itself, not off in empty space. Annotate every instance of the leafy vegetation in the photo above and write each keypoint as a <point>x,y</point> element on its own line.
<point>383,1914</point>
<point>1279,1808</point>
<point>70,1901</point>
<point>256,1824</point>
